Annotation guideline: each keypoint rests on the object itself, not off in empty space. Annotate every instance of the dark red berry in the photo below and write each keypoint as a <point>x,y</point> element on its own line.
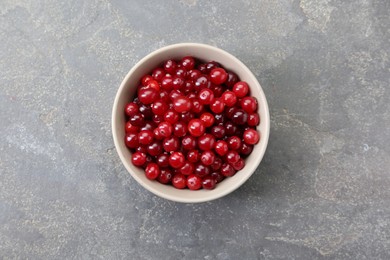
<point>218,76</point>
<point>138,159</point>
<point>194,182</point>
<point>176,160</point>
<point>152,171</point>
<point>208,183</point>
<point>131,109</point>
<point>196,127</point>
<point>179,181</point>
<point>165,176</point>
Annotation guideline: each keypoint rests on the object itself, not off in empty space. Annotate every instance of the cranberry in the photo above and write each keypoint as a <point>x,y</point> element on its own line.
<point>186,117</point>
<point>188,86</point>
<point>152,171</point>
<point>218,76</point>
<point>171,116</point>
<point>163,160</point>
<point>202,82</point>
<point>155,148</point>
<point>146,79</point>
<point>218,131</point>
<point>131,140</point>
<point>138,158</point>
<point>221,147</point>
<point>145,137</point>
<point>197,107</point>
<point>205,96</point>
<point>227,170</point>
<point>176,160</point>
<point>207,157</point>
<point>170,66</point>
<point>167,83</point>
<point>201,170</point>
<point>239,164</point>
<point>129,128</point>
<point>234,143</point>
<point>149,125</point>
<point>146,111</point>
<point>220,119</point>
<point>241,89</point>
<point>164,96</point>
<point>208,183</point>
<point>131,109</point>
<point>158,74</point>
<point>229,98</point>
<point>188,62</point>
<point>239,117</point>
<point>165,176</point>
<point>142,149</point>
<point>251,136</point>
<point>181,73</point>
<point>218,90</point>
<point>171,144</point>
<point>253,119</point>
<point>232,157</point>
<point>193,156</point>
<point>217,176</point>
<point>207,118</point>
<point>187,168</point>
<point>217,105</point>
<point>188,142</point>
<point>153,84</point>
<point>206,142</point>
<point>137,120</point>
<point>212,65</point>
<point>177,82</point>
<point>147,95</point>
<point>159,107</point>
<point>216,164</point>
<point>165,129</point>
<point>179,181</point>
<point>194,182</point>
<point>180,129</point>
<point>202,68</point>
<point>175,94</point>
<point>249,104</point>
<point>194,74</point>
<point>246,149</point>
<point>230,128</point>
<point>182,104</point>
<point>232,78</point>
<point>196,127</point>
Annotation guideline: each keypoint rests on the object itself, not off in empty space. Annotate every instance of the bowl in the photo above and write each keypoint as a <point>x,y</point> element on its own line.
<point>128,89</point>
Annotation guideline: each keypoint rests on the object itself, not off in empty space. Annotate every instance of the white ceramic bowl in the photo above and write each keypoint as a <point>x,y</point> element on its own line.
<point>127,90</point>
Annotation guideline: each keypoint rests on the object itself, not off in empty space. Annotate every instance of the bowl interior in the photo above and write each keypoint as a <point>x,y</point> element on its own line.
<point>127,91</point>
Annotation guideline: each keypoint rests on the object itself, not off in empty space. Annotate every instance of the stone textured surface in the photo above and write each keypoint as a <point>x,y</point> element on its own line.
<point>322,190</point>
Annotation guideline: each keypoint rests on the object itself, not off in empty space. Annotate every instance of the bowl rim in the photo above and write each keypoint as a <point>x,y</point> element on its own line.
<point>115,111</point>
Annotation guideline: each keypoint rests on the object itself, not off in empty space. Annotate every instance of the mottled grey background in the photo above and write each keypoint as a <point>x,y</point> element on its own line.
<point>322,191</point>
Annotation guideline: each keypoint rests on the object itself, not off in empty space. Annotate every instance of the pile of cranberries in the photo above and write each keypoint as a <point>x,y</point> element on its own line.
<point>191,124</point>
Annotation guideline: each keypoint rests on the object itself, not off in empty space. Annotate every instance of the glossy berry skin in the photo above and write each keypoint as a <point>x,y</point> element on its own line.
<point>205,96</point>
<point>131,140</point>
<point>217,105</point>
<point>145,137</point>
<point>155,148</point>
<point>131,109</point>
<point>163,160</point>
<point>165,129</point>
<point>232,157</point>
<point>138,159</point>
<point>188,62</point>
<point>193,156</point>
<point>170,66</point>
<point>218,76</point>
<point>171,144</point>
<point>152,171</point>
<point>201,170</point>
<point>241,89</point>
<point>137,120</point>
<point>189,142</point>
<point>209,183</point>
<point>202,82</point>
<point>239,117</point>
<point>176,160</point>
<point>227,170</point>
<point>206,142</point>
<point>179,181</point>
<point>207,158</point>
<point>197,107</point>
<point>165,176</point>
<point>196,127</point>
<point>158,74</point>
<point>251,136</point>
<point>187,168</point>
<point>221,147</point>
<point>217,176</point>
<point>147,95</point>
<point>180,129</point>
<point>253,119</point>
<point>229,98</point>
<point>194,182</point>
<point>234,143</point>
<point>216,165</point>
<point>207,118</point>
<point>129,128</point>
<point>171,116</point>
<point>218,131</point>
<point>249,104</point>
<point>232,79</point>
<point>246,149</point>
<point>239,165</point>
<point>159,107</point>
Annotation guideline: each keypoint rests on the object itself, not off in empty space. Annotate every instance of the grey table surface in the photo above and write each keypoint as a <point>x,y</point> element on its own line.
<point>321,192</point>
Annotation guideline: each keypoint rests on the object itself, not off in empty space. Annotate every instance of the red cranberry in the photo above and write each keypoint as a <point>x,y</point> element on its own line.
<point>218,131</point>
<point>165,176</point>
<point>239,117</point>
<point>187,168</point>
<point>216,164</point>
<point>176,160</point>
<point>186,117</point>
<point>145,137</point>
<point>220,119</point>
<point>158,74</point>
<point>188,142</point>
<point>239,164</point>
<point>167,83</point>
<point>131,140</point>
<point>212,65</point>
<point>164,96</point>
<point>153,84</point>
<point>196,127</point>
<point>188,87</point>
<point>147,95</point>
<point>137,120</point>
<point>197,107</point>
<point>146,111</point>
<point>182,104</point>
<point>206,142</point>
<point>221,147</point>
<point>138,158</point>
<point>251,136</point>
<point>202,82</point>
<point>163,160</point>
<point>181,73</point>
<point>171,116</point>
<point>152,171</point>
<point>149,125</point>
<point>241,89</point>
<point>230,128</point>
<point>146,79</point>
<point>193,156</point>
<point>246,149</point>
<point>201,170</point>
<point>218,90</point>
<point>179,129</point>
<point>165,129</point>
<point>207,118</point>
<point>170,66</point>
<point>232,78</point>
<point>179,181</point>
<point>175,94</point>
<point>232,157</point>
<point>129,128</point>
<point>188,62</point>
<point>229,98</point>
<point>249,104</point>
<point>194,74</point>
<point>227,170</point>
<point>142,149</point>
<point>207,158</point>
<point>194,182</point>
<point>208,183</point>
<point>253,119</point>
<point>217,105</point>
<point>205,96</point>
<point>155,148</point>
<point>171,144</point>
<point>217,176</point>
<point>177,82</point>
<point>131,109</point>
<point>159,107</point>
<point>234,143</point>
<point>218,76</point>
